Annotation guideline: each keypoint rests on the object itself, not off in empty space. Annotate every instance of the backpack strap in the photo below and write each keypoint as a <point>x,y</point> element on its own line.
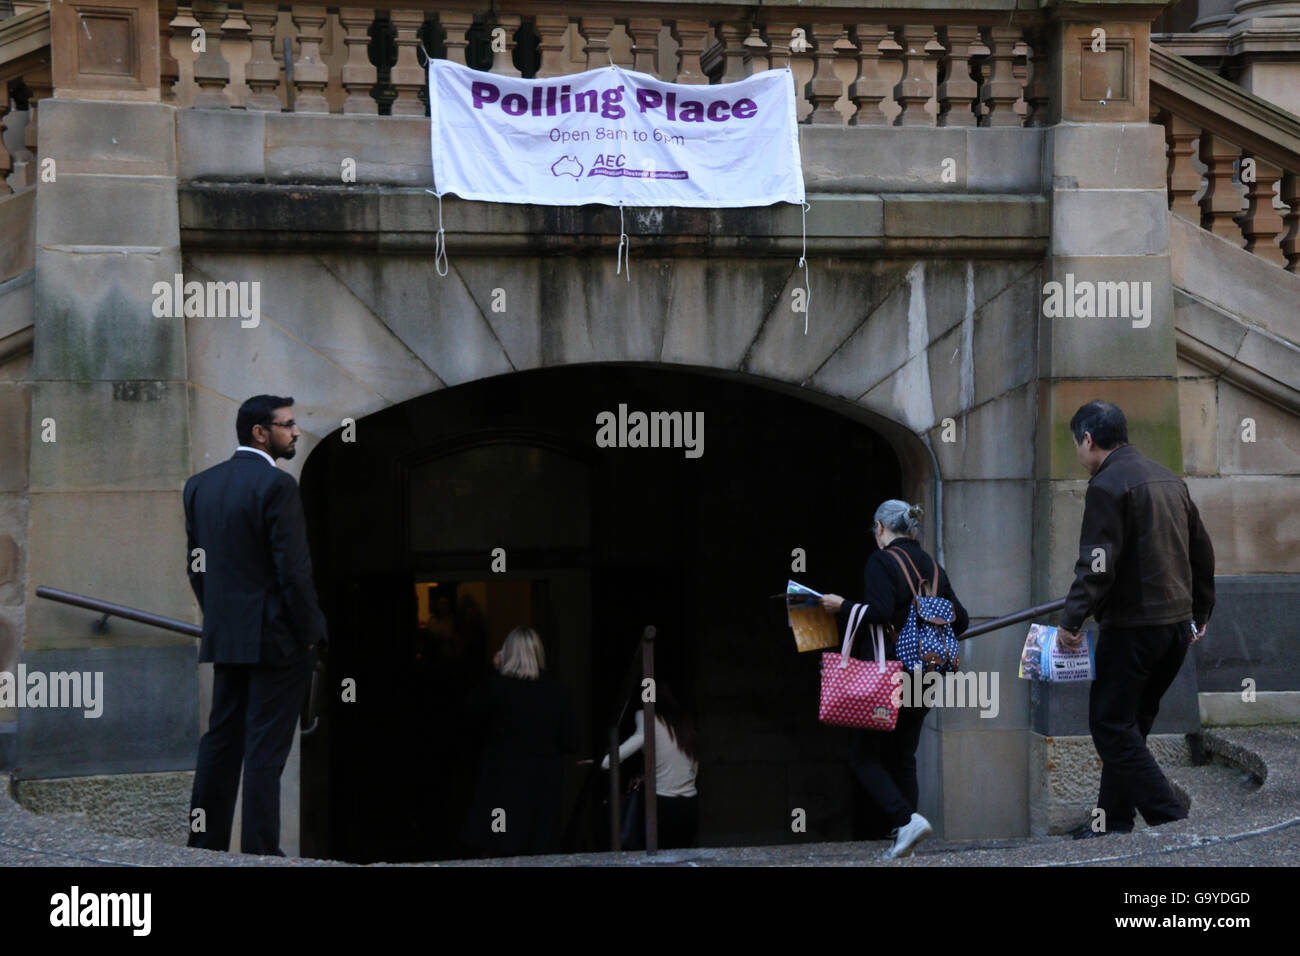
<point>933,585</point>
<point>893,553</point>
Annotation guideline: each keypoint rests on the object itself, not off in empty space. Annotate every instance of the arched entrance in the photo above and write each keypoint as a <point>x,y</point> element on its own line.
<point>598,542</point>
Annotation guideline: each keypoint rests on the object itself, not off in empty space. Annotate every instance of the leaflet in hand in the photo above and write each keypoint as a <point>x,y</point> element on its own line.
<point>1044,660</point>
<point>814,627</point>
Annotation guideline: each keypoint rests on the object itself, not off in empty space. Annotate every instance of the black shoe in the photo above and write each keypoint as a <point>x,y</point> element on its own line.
<point>1086,832</point>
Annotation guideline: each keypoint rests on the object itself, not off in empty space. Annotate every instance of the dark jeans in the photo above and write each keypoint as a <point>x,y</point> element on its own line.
<point>885,763</point>
<point>679,821</point>
<point>254,708</point>
<point>1135,666</point>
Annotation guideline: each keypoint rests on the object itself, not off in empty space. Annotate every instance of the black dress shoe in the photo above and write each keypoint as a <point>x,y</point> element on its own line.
<point>1086,832</point>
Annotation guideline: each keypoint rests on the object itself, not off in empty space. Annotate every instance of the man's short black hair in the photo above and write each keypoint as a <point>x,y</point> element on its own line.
<point>258,410</point>
<point>1103,421</point>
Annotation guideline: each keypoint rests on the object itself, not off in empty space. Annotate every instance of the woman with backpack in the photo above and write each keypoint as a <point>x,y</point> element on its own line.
<point>898,572</point>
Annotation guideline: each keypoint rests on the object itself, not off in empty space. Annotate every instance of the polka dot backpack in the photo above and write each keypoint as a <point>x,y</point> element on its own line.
<point>859,693</point>
<point>927,639</point>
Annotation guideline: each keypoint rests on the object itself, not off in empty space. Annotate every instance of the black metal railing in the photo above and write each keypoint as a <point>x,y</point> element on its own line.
<point>1016,618</point>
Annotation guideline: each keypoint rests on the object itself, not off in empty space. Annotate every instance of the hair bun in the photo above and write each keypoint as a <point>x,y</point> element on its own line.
<point>915,512</point>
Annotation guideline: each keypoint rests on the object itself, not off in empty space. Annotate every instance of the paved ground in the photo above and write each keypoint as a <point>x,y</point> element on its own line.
<point>1233,822</point>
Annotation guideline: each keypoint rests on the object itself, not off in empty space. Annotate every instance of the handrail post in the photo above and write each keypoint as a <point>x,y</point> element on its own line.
<point>648,706</point>
<point>615,828</point>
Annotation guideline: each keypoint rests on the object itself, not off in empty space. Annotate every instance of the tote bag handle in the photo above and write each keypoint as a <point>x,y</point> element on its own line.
<point>855,618</point>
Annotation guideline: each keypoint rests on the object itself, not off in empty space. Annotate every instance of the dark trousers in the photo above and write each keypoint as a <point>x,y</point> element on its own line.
<point>885,764</point>
<point>1135,666</point>
<point>251,726</point>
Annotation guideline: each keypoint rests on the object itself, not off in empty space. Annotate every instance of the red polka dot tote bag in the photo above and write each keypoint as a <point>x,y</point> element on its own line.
<point>859,693</point>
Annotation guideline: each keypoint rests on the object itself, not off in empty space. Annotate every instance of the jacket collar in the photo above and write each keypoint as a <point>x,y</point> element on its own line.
<point>1123,451</point>
<point>243,451</point>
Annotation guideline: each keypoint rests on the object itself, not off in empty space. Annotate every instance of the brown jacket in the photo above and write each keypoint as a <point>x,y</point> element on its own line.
<point>1144,556</point>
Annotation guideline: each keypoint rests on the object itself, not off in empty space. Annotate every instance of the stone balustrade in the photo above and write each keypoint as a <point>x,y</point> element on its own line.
<point>916,68</point>
<point>1233,159</point>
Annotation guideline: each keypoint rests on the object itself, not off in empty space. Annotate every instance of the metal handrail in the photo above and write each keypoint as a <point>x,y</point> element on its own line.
<point>1016,618</point>
<point>310,718</point>
<point>108,609</point>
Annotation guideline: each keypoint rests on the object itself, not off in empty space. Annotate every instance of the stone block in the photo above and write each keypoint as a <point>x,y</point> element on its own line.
<point>18,225</point>
<point>1006,335</point>
<point>1151,407</point>
<point>13,541</point>
<point>15,439</point>
<point>215,145</point>
<point>11,643</point>
<point>929,774</point>
<point>857,159</point>
<point>1274,358</point>
<point>1004,160</point>
<point>1101,222</point>
<point>129,212</point>
<point>736,304</point>
<point>95,317</point>
<point>17,312</point>
<point>307,148</point>
<point>107,436</point>
<point>985,776</point>
<point>1252,521</point>
<point>1058,515</point>
<point>1058,710</point>
<point>943,217</point>
<point>1198,405</point>
<point>1251,636</point>
<point>1275,448</point>
<point>148,806</point>
<point>866,353</point>
<point>148,723</point>
<point>1227,709</point>
<point>987,544</point>
<point>460,346</point>
<point>90,543</point>
<point>994,440</point>
<point>1105,156</point>
<point>1109,344</point>
<point>104,138</point>
<point>986,655</point>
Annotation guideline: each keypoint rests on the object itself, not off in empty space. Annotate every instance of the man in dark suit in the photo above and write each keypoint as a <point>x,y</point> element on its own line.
<point>1146,574</point>
<point>261,624</point>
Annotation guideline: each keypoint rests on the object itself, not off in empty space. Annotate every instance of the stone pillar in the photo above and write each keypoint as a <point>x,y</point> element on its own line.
<point>1105,165</point>
<point>1265,34</point>
<point>109,432</point>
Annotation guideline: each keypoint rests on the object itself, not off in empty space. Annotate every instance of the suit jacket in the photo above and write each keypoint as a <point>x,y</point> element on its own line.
<point>256,591</point>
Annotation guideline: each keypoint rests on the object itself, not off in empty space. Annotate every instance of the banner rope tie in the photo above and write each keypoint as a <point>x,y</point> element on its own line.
<point>440,240</point>
<point>624,248</point>
<point>803,261</point>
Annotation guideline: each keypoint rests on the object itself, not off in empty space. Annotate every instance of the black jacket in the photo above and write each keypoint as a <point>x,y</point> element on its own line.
<point>259,603</point>
<point>888,597</point>
<point>1153,559</point>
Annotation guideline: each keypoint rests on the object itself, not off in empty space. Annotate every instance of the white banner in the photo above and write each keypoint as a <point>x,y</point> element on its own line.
<point>614,136</point>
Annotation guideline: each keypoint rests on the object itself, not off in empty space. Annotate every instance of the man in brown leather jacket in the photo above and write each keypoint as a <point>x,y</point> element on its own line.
<point>1146,574</point>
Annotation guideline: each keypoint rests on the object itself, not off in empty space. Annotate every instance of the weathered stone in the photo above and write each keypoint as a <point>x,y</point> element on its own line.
<point>13,540</point>
<point>1105,156</point>
<point>993,440</point>
<point>1151,407</point>
<point>1090,222</point>
<point>1274,446</point>
<point>1252,521</point>
<point>149,806</point>
<point>987,536</point>
<point>1198,405</point>
<point>225,145</point>
<point>103,138</point>
<point>117,211</point>
<point>991,765</point>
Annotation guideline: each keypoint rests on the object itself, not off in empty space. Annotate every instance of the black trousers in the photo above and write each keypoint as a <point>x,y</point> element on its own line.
<point>885,764</point>
<point>678,818</point>
<point>254,708</point>
<point>1135,666</point>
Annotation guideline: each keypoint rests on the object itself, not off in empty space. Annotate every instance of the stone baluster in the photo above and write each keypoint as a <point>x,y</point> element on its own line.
<point>1001,90</point>
<point>455,25</point>
<point>756,53</point>
<point>1184,180</point>
<point>358,75</point>
<point>169,71</point>
<point>914,89</point>
<point>825,88</point>
<point>6,161</point>
<point>780,36</point>
<point>551,31</point>
<point>310,73</point>
<point>407,76</point>
<point>1260,224</point>
<point>595,33</point>
<point>645,44</point>
<point>1037,91</point>
<point>1221,203</point>
<point>503,62</point>
<point>234,43</point>
<point>211,71</point>
<point>692,38</point>
<point>262,72</point>
<point>733,34</point>
<point>1290,194</point>
<point>183,26</point>
<point>958,92</point>
<point>869,88</point>
<point>39,92</point>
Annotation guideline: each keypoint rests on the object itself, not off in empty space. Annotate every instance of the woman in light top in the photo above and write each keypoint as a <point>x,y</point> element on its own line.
<point>677,799</point>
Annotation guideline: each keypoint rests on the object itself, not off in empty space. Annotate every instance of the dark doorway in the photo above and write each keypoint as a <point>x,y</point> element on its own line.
<point>597,543</point>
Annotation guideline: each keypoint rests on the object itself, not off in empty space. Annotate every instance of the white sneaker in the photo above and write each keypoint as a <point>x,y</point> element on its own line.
<point>907,837</point>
